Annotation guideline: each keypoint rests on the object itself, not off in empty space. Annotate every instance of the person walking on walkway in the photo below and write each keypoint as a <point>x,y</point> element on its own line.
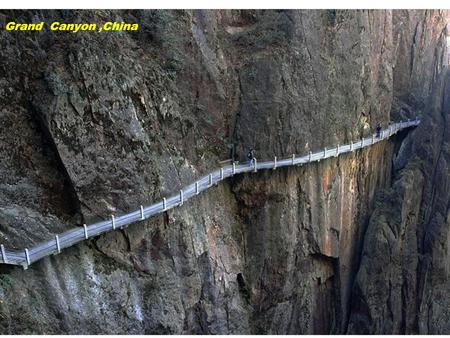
<point>378,129</point>
<point>251,156</point>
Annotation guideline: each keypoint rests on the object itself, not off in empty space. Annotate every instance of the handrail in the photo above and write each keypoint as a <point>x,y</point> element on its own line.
<point>71,237</point>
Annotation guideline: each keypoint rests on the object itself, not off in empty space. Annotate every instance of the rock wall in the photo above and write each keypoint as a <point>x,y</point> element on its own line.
<point>94,124</point>
<point>406,291</point>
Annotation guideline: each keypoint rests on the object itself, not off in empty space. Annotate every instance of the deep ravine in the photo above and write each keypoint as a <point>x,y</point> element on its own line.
<point>94,124</point>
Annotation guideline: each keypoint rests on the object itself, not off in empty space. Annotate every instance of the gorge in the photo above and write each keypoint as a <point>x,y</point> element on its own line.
<point>93,124</point>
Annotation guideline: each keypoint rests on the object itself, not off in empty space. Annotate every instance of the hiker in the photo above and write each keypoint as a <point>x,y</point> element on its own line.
<point>251,156</point>
<point>378,129</point>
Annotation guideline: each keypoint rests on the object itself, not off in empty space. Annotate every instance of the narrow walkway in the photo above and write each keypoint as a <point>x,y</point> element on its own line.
<point>28,256</point>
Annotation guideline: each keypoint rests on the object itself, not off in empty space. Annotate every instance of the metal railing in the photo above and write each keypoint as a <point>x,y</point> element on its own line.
<point>71,237</point>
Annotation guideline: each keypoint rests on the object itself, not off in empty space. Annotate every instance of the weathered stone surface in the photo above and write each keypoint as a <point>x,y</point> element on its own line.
<point>95,124</point>
<point>405,291</point>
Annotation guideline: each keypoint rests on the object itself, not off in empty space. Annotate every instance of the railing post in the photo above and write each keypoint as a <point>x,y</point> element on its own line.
<point>275,163</point>
<point>351,145</point>
<point>210,179</point>
<point>221,173</point>
<point>58,247</point>
<point>86,236</point>
<point>181,197</point>
<point>164,204</point>
<point>310,156</point>
<point>337,150</point>
<point>255,165</point>
<point>293,159</point>
<point>234,168</point>
<point>5,259</point>
<point>27,256</point>
<point>196,188</point>
<point>362,142</point>
<point>113,222</point>
<point>324,152</point>
<point>142,213</point>
<point>373,138</point>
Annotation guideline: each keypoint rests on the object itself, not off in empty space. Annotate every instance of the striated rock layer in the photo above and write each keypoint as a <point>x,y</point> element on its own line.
<point>406,290</point>
<point>93,124</point>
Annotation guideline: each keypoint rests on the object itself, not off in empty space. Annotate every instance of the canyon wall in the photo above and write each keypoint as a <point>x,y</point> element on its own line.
<point>406,291</point>
<point>94,124</point>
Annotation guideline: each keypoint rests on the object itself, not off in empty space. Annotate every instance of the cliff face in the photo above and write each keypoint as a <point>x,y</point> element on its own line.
<point>94,124</point>
<point>406,291</point>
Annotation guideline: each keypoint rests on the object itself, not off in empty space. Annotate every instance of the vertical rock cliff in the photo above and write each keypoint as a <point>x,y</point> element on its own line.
<point>406,290</point>
<point>94,124</point>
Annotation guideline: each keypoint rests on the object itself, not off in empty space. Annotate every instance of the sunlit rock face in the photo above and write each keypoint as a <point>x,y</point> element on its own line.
<point>98,124</point>
<point>406,290</point>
